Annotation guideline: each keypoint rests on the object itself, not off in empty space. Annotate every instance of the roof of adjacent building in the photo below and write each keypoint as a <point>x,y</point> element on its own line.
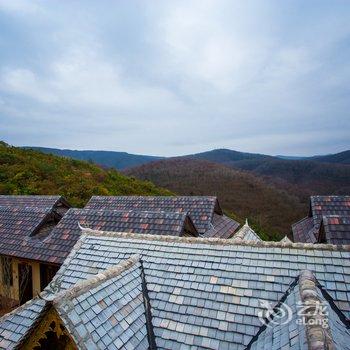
<point>335,229</point>
<point>304,231</point>
<point>36,201</point>
<point>20,230</point>
<point>246,233</point>
<point>307,229</point>
<point>329,205</point>
<point>222,227</point>
<point>201,209</point>
<point>285,239</point>
<point>208,292</point>
<point>18,227</point>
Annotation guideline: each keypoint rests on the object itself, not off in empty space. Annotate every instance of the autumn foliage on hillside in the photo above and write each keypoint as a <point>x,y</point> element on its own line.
<point>32,172</point>
<point>303,178</point>
<point>271,211</point>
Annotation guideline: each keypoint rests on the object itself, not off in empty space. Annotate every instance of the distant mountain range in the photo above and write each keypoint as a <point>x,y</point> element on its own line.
<point>109,159</point>
<point>341,158</point>
<point>124,160</point>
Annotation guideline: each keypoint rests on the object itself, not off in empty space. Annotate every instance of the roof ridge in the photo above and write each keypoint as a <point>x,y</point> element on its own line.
<point>215,241</point>
<point>90,283</point>
<point>18,308</point>
<point>140,196</point>
<point>101,210</point>
<point>285,239</point>
<point>26,208</point>
<point>335,215</point>
<point>242,232</point>
<point>330,195</point>
<point>318,336</point>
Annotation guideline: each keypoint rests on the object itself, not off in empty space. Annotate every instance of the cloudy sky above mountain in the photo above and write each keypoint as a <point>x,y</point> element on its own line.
<point>176,77</point>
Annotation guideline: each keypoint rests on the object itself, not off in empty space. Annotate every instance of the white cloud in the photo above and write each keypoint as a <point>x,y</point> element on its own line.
<point>23,7</point>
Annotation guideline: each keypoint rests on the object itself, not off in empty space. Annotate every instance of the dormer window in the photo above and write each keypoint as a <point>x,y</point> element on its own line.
<point>46,227</point>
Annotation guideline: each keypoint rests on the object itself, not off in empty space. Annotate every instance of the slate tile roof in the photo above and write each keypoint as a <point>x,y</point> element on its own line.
<point>319,326</point>
<point>104,312</point>
<point>329,205</point>
<point>246,233</point>
<point>67,232</point>
<point>335,229</point>
<point>45,202</point>
<point>201,209</point>
<point>279,335</point>
<point>16,324</point>
<point>206,292</point>
<point>307,229</point>
<point>222,227</point>
<point>107,311</point>
<point>304,231</point>
<point>18,227</point>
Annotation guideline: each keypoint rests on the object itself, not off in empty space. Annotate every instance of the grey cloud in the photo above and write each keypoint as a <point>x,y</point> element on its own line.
<point>176,77</point>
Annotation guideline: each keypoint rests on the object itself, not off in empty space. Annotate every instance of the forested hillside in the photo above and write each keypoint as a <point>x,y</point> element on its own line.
<point>25,171</point>
<point>271,211</point>
<point>319,175</point>
<point>340,158</point>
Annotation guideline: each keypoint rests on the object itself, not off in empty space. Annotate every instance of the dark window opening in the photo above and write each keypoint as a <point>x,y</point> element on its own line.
<point>7,274</point>
<point>45,229</point>
<point>25,282</point>
<point>47,273</point>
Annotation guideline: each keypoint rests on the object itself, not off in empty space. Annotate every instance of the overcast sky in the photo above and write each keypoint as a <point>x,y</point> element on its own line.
<point>176,77</point>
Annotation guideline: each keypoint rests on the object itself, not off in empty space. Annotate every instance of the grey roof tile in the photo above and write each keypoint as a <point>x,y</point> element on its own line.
<point>205,211</point>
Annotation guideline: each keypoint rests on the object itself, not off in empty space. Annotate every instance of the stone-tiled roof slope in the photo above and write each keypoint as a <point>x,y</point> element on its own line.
<point>18,227</point>
<point>19,230</point>
<point>335,229</point>
<point>67,232</point>
<point>329,205</point>
<point>16,325</point>
<point>104,312</point>
<point>292,326</point>
<point>246,233</point>
<point>205,292</point>
<point>278,333</point>
<point>304,231</point>
<point>200,209</point>
<point>107,311</point>
<point>307,229</point>
<point>221,227</point>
